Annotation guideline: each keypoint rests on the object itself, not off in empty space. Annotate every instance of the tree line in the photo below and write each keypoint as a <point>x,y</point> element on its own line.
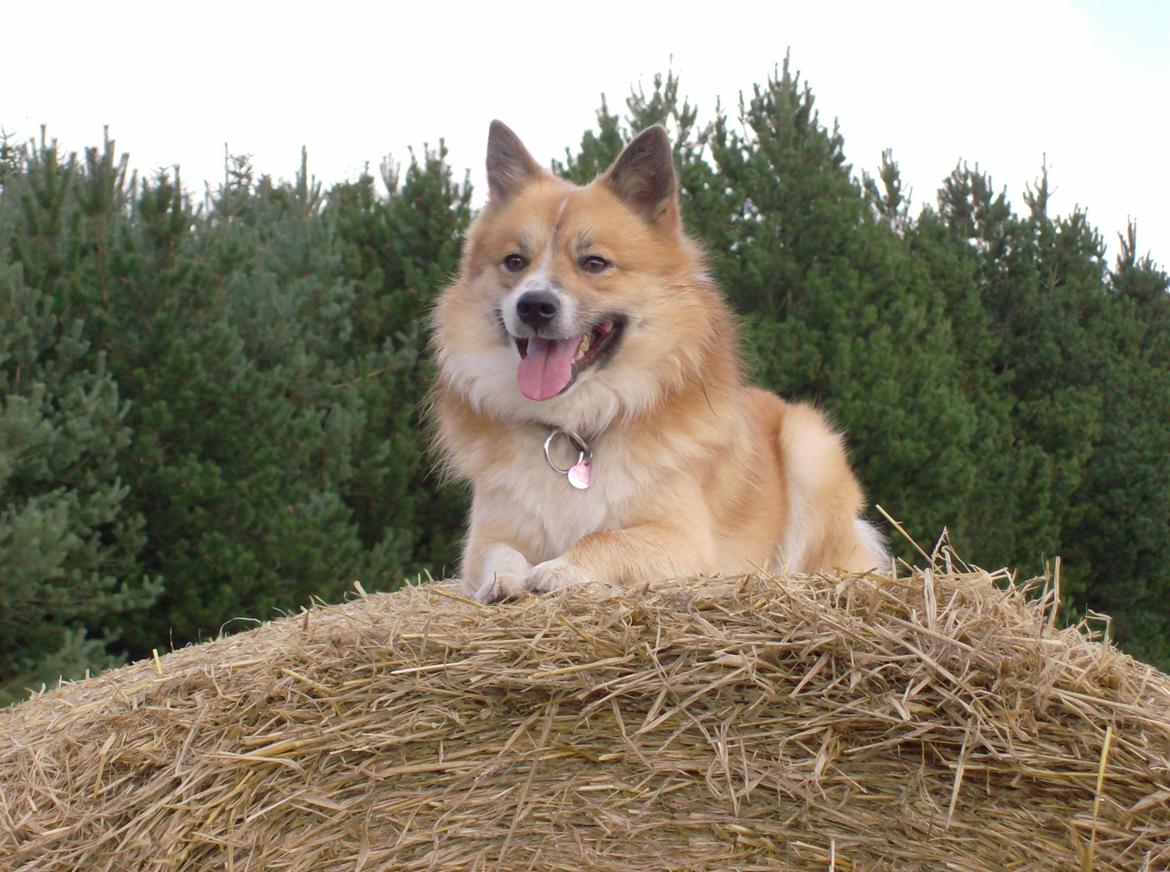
<point>212,412</point>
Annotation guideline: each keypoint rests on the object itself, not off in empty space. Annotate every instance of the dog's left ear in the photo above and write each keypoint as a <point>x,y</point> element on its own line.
<point>643,175</point>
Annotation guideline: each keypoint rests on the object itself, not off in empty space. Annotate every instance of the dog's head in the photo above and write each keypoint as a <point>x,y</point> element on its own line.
<point>575,305</point>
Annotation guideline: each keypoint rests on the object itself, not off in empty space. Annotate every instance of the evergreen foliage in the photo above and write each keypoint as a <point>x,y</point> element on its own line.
<point>217,411</point>
<point>995,379</point>
<point>209,413</point>
<point>69,537</point>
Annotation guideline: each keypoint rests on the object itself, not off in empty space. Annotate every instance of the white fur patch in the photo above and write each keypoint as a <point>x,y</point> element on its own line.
<point>556,515</point>
<point>504,573</point>
<point>797,535</point>
<point>873,543</point>
<point>554,575</point>
<point>567,322</point>
<point>810,448</point>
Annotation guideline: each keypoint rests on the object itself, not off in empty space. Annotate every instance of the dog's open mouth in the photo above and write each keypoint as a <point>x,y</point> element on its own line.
<point>548,366</point>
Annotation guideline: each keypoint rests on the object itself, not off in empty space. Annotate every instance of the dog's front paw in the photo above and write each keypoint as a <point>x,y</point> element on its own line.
<point>500,587</point>
<point>554,575</point>
<point>503,577</point>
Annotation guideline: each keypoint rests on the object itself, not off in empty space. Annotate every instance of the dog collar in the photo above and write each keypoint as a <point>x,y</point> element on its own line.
<point>580,474</point>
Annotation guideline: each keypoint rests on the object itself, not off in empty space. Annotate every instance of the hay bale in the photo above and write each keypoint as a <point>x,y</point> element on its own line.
<point>935,721</point>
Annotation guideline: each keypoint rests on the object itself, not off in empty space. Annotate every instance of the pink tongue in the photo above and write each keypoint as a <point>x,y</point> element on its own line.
<point>547,368</point>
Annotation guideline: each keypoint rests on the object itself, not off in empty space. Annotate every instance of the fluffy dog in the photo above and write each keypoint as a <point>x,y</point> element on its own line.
<point>590,389</point>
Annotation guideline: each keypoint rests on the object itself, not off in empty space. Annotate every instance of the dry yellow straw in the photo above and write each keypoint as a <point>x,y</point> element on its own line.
<point>1088,866</point>
<point>927,721</point>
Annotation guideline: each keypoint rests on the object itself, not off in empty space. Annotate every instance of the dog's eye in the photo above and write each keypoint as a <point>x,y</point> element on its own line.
<point>515,262</point>
<point>593,263</point>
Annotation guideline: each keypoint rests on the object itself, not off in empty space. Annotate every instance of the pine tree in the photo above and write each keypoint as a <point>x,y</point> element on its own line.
<point>220,411</point>
<point>69,541</point>
<point>1139,280</point>
<point>1123,535</point>
<point>264,358</point>
<point>1003,486</point>
<point>830,296</point>
<point>1035,279</point>
<point>401,250</point>
<point>597,149</point>
<point>888,202</point>
<point>837,311</point>
<point>1073,409</point>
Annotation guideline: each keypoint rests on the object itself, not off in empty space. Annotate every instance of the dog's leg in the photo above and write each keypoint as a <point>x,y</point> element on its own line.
<point>642,553</point>
<point>494,572</point>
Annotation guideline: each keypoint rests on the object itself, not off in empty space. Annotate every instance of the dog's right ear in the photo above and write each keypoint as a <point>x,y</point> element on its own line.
<point>509,165</point>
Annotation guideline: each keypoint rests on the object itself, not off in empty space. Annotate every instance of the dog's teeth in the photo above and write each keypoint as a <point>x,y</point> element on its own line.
<point>582,348</point>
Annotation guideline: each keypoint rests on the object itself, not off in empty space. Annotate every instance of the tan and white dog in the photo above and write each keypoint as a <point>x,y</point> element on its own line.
<point>590,389</point>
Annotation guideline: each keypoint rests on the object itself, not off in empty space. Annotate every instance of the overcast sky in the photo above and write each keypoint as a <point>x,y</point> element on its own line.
<point>1085,82</point>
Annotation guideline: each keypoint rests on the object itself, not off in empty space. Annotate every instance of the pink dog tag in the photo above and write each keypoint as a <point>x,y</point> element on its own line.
<point>581,474</point>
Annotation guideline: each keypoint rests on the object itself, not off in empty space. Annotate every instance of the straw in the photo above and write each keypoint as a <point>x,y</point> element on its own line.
<point>924,722</point>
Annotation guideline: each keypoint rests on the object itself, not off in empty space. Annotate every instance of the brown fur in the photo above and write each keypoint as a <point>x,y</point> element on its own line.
<point>694,471</point>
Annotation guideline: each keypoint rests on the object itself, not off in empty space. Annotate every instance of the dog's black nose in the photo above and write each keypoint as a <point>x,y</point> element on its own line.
<point>537,308</point>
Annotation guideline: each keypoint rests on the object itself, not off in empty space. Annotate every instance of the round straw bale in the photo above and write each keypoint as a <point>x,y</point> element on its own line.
<point>933,721</point>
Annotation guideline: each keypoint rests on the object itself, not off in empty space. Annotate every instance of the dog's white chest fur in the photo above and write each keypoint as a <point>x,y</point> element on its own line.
<point>551,513</point>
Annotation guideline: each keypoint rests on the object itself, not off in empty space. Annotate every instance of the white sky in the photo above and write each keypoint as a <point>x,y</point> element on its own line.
<point>1086,82</point>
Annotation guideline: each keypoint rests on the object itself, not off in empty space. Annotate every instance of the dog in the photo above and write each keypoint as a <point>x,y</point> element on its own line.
<point>590,389</point>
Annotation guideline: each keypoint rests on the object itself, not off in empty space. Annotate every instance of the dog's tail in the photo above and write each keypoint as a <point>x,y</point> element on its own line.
<point>825,502</point>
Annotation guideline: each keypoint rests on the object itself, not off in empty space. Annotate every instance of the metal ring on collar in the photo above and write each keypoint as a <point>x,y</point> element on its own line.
<point>581,445</point>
